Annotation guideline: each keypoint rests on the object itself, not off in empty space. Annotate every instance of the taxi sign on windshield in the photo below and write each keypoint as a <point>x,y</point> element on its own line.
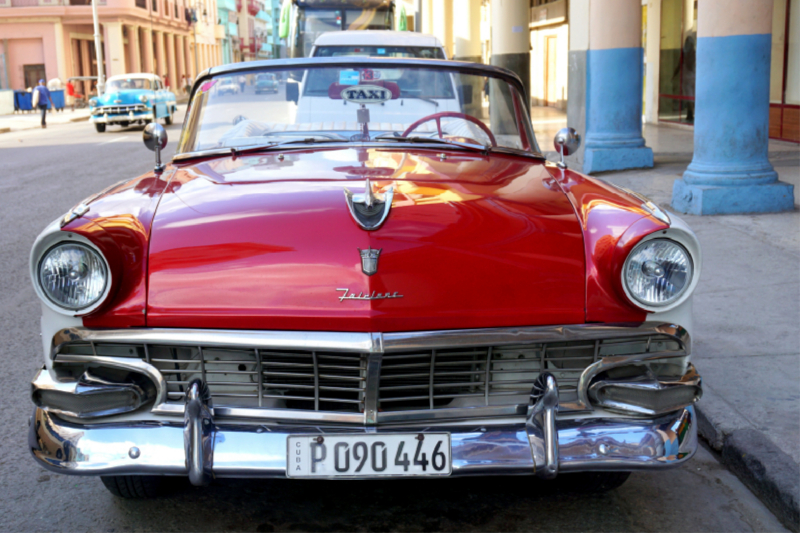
<point>366,94</point>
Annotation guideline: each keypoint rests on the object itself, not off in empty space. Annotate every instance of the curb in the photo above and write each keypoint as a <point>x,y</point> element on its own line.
<point>5,130</point>
<point>79,119</point>
<point>768,471</point>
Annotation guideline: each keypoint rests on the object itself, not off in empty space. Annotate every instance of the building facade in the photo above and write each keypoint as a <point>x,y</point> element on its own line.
<point>55,39</point>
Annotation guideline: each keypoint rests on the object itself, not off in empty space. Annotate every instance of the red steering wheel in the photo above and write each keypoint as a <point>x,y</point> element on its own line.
<point>451,114</point>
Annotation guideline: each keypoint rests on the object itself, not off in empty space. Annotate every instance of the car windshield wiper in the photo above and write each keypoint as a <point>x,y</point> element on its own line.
<point>307,140</point>
<point>434,140</point>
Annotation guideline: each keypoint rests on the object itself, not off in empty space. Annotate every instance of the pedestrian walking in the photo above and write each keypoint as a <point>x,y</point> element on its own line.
<point>242,81</point>
<point>72,94</point>
<point>41,95</point>
<point>166,82</point>
<point>183,85</point>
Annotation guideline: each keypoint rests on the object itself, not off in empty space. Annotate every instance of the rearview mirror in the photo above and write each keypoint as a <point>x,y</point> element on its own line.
<point>466,94</point>
<point>292,91</point>
<point>155,138</point>
<point>567,141</point>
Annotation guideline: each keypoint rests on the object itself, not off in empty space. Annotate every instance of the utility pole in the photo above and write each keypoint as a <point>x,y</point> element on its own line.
<point>101,77</point>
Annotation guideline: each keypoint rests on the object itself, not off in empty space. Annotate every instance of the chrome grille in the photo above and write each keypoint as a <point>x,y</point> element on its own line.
<point>314,381</point>
<point>409,380</point>
<point>118,109</point>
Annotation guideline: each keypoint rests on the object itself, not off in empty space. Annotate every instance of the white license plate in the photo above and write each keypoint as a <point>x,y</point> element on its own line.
<point>373,455</point>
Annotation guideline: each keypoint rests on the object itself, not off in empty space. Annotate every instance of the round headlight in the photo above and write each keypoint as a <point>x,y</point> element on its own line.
<point>73,276</point>
<point>143,98</point>
<point>657,272</point>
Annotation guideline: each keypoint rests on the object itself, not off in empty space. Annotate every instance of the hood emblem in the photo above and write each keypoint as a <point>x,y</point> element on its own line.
<point>369,260</point>
<point>369,209</point>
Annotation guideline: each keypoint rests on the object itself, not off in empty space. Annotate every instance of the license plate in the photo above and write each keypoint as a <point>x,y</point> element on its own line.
<point>354,456</point>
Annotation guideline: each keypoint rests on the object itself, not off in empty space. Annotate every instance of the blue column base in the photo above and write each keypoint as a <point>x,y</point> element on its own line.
<point>602,159</point>
<point>732,199</point>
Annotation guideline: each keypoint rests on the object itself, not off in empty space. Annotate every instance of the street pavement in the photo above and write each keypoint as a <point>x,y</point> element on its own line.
<point>45,172</point>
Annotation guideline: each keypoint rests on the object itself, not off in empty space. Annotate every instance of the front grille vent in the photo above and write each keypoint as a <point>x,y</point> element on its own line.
<point>118,109</point>
<point>409,380</point>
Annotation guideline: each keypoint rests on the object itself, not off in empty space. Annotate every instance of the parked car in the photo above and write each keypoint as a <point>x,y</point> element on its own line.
<point>392,291</point>
<point>228,86</point>
<point>267,83</point>
<point>132,99</point>
<point>378,43</point>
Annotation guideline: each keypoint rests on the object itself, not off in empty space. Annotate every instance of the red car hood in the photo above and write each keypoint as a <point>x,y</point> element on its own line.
<point>265,242</point>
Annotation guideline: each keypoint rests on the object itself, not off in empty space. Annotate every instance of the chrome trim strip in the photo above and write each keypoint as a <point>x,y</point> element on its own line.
<point>288,340</point>
<point>260,450</point>
<point>369,342</point>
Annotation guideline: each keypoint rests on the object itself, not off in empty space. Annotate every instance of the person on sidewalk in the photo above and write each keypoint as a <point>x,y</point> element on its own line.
<point>41,95</point>
<point>72,94</point>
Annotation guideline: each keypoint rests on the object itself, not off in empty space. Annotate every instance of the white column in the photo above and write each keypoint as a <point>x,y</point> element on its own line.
<point>443,23</point>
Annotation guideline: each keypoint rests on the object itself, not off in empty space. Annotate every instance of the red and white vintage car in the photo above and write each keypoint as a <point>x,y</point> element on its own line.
<point>375,273</point>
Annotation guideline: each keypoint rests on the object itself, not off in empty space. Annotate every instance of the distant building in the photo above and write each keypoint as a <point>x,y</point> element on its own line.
<point>55,38</point>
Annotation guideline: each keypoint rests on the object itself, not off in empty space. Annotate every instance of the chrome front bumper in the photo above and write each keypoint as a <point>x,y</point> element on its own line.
<point>204,450</point>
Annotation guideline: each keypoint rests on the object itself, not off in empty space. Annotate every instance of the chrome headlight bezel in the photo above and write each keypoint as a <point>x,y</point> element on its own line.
<point>47,242</point>
<point>688,246</point>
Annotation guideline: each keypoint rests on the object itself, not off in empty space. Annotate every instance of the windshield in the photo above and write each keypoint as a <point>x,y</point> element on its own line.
<point>423,52</point>
<point>128,84</point>
<point>314,22</point>
<point>345,104</point>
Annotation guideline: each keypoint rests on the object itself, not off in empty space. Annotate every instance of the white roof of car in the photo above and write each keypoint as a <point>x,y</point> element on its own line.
<point>146,75</point>
<point>376,38</point>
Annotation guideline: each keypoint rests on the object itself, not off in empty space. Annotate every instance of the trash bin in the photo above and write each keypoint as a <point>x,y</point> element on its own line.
<point>23,101</point>
<point>58,99</point>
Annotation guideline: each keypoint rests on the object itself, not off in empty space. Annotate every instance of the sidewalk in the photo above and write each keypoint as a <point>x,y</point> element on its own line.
<point>746,336</point>
<point>25,121</point>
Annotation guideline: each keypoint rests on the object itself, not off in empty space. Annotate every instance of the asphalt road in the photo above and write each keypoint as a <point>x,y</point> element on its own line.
<point>45,172</point>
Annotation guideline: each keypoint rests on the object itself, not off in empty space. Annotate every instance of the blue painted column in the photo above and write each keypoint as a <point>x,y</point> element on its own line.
<point>730,171</point>
<point>614,69</point>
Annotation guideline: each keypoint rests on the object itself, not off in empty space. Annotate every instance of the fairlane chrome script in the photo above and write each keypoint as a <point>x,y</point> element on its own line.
<point>361,296</point>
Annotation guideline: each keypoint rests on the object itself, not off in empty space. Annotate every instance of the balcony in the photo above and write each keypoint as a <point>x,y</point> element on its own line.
<point>250,46</point>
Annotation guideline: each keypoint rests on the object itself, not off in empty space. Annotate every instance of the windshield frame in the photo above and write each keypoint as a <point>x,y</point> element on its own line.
<point>462,67</point>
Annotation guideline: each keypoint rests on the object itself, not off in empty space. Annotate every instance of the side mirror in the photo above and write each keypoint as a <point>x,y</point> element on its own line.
<point>292,91</point>
<point>567,141</point>
<point>155,138</point>
<point>466,94</point>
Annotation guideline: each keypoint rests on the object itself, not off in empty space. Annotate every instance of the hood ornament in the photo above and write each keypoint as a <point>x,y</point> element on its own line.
<point>369,260</point>
<point>369,209</point>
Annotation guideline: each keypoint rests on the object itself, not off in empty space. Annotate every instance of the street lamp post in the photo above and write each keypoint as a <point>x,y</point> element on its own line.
<point>101,77</point>
<point>196,10</point>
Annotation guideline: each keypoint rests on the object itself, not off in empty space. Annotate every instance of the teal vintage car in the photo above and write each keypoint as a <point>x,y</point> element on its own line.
<point>132,99</point>
<point>266,83</point>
